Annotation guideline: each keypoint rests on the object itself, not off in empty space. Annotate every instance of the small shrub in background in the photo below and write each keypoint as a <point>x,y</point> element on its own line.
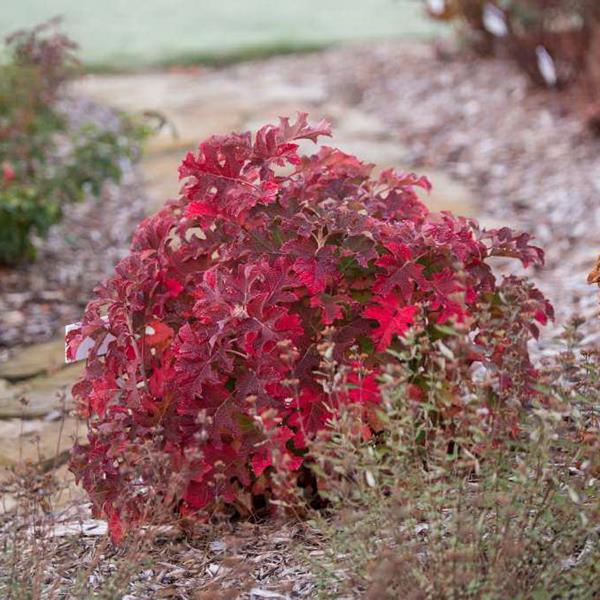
<point>554,41</point>
<point>45,162</point>
<point>270,263</point>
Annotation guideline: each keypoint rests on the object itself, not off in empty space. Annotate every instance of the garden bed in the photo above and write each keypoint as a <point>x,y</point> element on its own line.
<point>530,163</point>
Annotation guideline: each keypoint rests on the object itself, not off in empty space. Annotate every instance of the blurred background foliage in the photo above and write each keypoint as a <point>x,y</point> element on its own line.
<point>554,41</point>
<point>46,160</point>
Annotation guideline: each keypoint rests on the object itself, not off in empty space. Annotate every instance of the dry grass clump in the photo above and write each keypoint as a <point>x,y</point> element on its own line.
<point>428,512</point>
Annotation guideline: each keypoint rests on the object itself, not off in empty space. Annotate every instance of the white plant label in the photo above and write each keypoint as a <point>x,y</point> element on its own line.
<point>546,66</point>
<point>86,345</point>
<point>494,21</point>
<point>437,7</point>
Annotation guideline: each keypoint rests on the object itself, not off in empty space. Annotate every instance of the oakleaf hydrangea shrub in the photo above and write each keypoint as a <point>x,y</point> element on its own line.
<point>216,325</point>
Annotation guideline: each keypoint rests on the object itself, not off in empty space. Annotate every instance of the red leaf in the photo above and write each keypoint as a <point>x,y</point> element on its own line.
<point>331,309</point>
<point>158,333</point>
<point>197,494</point>
<point>201,209</point>
<point>174,286</point>
<point>8,173</point>
<point>311,274</point>
<point>260,461</point>
<point>103,391</point>
<point>290,324</point>
<point>393,319</point>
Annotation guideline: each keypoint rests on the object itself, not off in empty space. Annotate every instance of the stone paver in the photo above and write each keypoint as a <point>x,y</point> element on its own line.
<point>42,394</point>
<point>34,360</point>
<point>202,102</point>
<point>36,440</point>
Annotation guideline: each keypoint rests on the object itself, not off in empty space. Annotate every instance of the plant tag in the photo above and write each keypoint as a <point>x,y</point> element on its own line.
<point>546,66</point>
<point>437,7</point>
<point>494,21</point>
<point>86,345</point>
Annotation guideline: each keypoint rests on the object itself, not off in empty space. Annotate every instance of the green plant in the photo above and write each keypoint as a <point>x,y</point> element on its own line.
<point>46,162</point>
